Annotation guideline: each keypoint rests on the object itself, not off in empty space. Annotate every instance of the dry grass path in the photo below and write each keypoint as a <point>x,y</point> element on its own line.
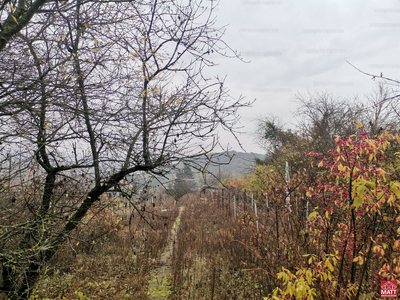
<point>158,284</point>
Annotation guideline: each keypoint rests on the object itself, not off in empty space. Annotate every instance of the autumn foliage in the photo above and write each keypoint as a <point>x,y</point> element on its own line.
<point>350,239</point>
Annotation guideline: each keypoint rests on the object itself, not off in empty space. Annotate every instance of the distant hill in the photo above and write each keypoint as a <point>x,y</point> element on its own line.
<point>241,163</point>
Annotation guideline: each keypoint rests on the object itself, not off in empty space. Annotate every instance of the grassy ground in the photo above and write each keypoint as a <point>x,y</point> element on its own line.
<point>210,257</point>
<point>116,265</point>
<point>159,287</point>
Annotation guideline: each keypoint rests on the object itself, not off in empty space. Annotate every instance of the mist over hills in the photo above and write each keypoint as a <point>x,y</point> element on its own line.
<point>232,165</point>
<point>240,164</point>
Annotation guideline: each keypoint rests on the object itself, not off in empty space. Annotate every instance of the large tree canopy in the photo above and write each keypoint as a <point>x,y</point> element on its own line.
<point>91,91</point>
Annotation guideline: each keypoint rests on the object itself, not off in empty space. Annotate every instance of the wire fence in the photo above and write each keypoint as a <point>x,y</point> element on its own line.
<point>259,205</point>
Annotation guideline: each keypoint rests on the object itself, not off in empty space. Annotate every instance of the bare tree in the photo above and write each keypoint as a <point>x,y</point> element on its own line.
<point>322,116</point>
<point>91,92</point>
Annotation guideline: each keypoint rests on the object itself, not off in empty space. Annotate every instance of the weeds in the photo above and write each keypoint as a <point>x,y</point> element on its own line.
<point>108,258</point>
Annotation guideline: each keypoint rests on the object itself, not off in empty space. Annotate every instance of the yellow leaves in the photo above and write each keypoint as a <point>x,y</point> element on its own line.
<point>15,19</point>
<point>382,173</point>
<point>320,164</point>
<point>340,167</point>
<point>313,215</point>
<point>12,7</point>
<point>395,190</point>
<point>309,276</point>
<point>338,149</point>
<point>95,49</point>
<point>359,259</point>
<point>358,201</point>
<point>66,195</point>
<point>359,125</point>
<point>361,189</point>
<point>300,286</point>
<point>370,184</point>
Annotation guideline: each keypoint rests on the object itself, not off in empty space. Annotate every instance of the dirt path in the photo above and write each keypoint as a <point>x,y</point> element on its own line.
<point>158,284</point>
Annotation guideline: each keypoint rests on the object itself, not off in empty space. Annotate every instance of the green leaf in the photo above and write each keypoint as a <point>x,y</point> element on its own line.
<point>395,191</point>
<point>358,201</point>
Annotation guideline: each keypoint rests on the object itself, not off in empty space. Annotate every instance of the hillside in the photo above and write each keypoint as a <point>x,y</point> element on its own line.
<point>241,163</point>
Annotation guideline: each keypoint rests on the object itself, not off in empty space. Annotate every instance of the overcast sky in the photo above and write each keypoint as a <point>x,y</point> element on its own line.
<point>300,46</point>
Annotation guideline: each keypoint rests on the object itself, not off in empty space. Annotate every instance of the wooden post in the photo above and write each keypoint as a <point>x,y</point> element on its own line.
<point>307,216</point>
<point>229,199</point>
<point>244,202</point>
<point>234,205</point>
<point>255,209</point>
